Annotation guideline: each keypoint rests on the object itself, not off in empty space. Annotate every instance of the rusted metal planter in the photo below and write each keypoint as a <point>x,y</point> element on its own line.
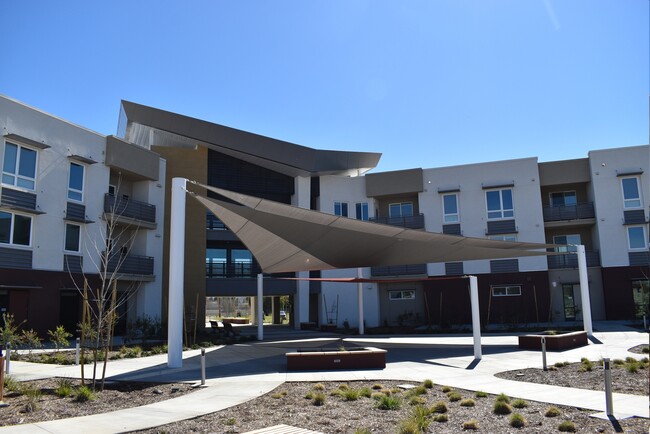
<point>323,360</point>
<point>559,342</point>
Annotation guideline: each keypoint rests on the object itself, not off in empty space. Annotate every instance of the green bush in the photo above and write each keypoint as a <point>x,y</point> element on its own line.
<point>502,397</point>
<point>481,394</point>
<point>33,395</point>
<point>501,407</point>
<point>586,365</point>
<point>84,394</point>
<point>439,407</point>
<point>519,403</point>
<point>446,389</point>
<point>567,426</point>
<point>31,339</point>
<point>350,394</point>
<point>422,417</point>
<point>318,386</point>
<point>9,331</point>
<point>408,426</point>
<point>319,399</point>
<point>389,403</point>
<point>417,400</point>
<point>454,396</point>
<point>470,424</point>
<point>517,420</point>
<point>344,387</point>
<point>160,349</point>
<point>63,387</point>
<point>441,417</point>
<point>468,402</point>
<point>59,337</point>
<point>11,384</point>
<point>632,368</point>
<point>365,392</point>
<point>552,411</point>
<point>377,386</point>
<point>428,384</point>
<point>417,391</point>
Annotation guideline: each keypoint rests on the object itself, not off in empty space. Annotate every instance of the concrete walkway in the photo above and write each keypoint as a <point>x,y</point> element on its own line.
<point>238,373</point>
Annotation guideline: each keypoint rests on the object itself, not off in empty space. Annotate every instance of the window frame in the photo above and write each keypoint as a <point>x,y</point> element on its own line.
<point>341,205</point>
<point>83,182</point>
<point>364,208</point>
<point>644,238</point>
<point>638,191</point>
<point>65,238</point>
<point>504,237</point>
<point>564,193</point>
<point>502,211</point>
<point>402,293</point>
<point>506,292</point>
<point>570,247</point>
<point>447,217</point>
<point>16,175</point>
<point>401,205</point>
<point>12,229</point>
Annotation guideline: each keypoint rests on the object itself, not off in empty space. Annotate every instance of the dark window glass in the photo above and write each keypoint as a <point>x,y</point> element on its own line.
<point>76,182</point>
<point>72,238</point>
<point>22,230</point>
<point>5,227</point>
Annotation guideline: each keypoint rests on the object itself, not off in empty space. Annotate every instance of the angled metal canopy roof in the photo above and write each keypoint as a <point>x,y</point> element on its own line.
<point>285,238</point>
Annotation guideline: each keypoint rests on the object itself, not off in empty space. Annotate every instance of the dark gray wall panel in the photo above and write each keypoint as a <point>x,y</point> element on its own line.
<point>501,227</point>
<point>639,258</point>
<point>504,266</point>
<point>22,199</point>
<point>452,229</point>
<point>634,216</point>
<point>15,258</point>
<point>72,263</point>
<point>454,268</point>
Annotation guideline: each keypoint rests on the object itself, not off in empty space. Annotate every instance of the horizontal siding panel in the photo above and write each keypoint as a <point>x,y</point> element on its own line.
<point>399,270</point>
<point>501,227</point>
<point>639,258</point>
<point>15,258</point>
<point>634,216</point>
<point>454,269</point>
<point>76,211</point>
<point>451,229</point>
<point>504,266</point>
<point>72,263</point>
<point>21,199</point>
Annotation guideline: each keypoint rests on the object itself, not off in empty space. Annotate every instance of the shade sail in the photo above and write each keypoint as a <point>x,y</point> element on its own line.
<point>284,238</point>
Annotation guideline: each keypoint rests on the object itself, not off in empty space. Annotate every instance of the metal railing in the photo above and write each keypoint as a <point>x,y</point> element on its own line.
<point>569,212</point>
<point>129,208</point>
<point>130,264</point>
<point>570,260</point>
<point>410,222</point>
<point>236,270</point>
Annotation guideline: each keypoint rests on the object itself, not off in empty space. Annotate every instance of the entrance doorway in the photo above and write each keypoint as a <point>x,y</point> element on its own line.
<point>568,296</point>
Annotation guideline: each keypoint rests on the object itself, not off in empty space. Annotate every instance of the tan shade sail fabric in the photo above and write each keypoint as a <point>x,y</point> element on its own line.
<point>284,238</point>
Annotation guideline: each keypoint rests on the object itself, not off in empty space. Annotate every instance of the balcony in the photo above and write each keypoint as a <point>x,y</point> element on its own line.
<point>399,270</point>
<point>129,210</point>
<point>212,223</point>
<point>570,260</point>
<point>134,265</point>
<point>237,270</point>
<point>410,222</point>
<point>569,212</point>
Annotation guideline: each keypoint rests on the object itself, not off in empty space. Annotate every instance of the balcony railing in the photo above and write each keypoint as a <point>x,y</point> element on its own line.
<point>212,223</point>
<point>410,222</point>
<point>569,212</point>
<point>570,260</point>
<point>399,270</point>
<point>129,208</point>
<point>130,264</point>
<point>237,270</point>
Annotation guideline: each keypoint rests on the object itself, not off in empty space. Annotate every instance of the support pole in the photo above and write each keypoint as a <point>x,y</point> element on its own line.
<point>176,274</point>
<point>202,366</point>
<point>544,367</point>
<point>609,402</point>
<point>2,377</point>
<point>584,289</point>
<point>260,307</point>
<point>76,352</point>
<point>476,317</point>
<point>360,301</point>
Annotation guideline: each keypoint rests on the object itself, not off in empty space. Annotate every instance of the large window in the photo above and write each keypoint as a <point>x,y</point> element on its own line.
<point>404,209</point>
<point>220,262</point>
<point>450,208</point>
<point>570,242</point>
<point>362,210</point>
<point>19,166</point>
<point>404,294</point>
<point>341,208</point>
<point>72,237</point>
<point>499,204</point>
<point>76,182</point>
<point>631,196</point>
<point>563,198</point>
<point>636,239</point>
<point>506,291</point>
<point>242,260</point>
<point>15,229</point>
<point>215,262</point>
<point>508,237</point>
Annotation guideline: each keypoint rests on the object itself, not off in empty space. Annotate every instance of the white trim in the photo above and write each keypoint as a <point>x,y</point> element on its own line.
<point>16,175</point>
<point>65,237</point>
<point>83,182</point>
<point>506,287</point>
<point>501,210</point>
<point>11,230</point>
<point>638,190</point>
<point>645,239</point>
<point>445,214</point>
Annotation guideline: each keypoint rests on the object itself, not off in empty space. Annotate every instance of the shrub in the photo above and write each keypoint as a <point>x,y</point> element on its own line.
<point>231,421</point>
<point>502,397</point>
<point>84,394</point>
<point>618,362</point>
<point>428,384</point>
<point>365,392</point>
<point>59,337</point>
<point>417,391</point>
<point>319,399</point>
<point>519,403</point>
<point>377,395</point>
<point>31,339</point>
<point>481,394</point>
<point>131,352</point>
<point>441,417</point>
<point>470,424</point>
<point>11,384</point>
<point>309,395</point>
<point>446,389</point>
<point>408,426</point>
<point>567,426</point>
<point>336,392</point>
<point>389,403</point>
<point>632,368</point>
<point>362,431</point>
<point>517,420</point>
<point>439,407</point>
<point>417,400</point>
<point>422,416</point>
<point>454,396</point>
<point>277,395</point>
<point>319,386</point>
<point>586,365</point>
<point>9,331</point>
<point>350,395</point>
<point>344,387</point>
<point>630,359</point>
<point>377,386</point>
<point>63,387</point>
<point>33,395</point>
<point>469,402</point>
<point>501,407</point>
<point>552,411</point>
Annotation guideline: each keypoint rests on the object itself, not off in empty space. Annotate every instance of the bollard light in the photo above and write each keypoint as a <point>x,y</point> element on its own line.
<point>8,357</point>
<point>544,353</point>
<point>2,378</point>
<point>76,355</point>
<point>202,366</point>
<point>609,403</point>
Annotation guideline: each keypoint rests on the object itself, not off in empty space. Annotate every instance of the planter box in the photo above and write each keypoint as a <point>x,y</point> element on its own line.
<point>358,358</point>
<point>559,342</point>
<point>235,320</point>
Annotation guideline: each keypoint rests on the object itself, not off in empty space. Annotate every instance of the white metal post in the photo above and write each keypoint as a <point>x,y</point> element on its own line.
<point>260,307</point>
<point>176,274</point>
<point>584,289</point>
<point>476,317</point>
<point>360,301</point>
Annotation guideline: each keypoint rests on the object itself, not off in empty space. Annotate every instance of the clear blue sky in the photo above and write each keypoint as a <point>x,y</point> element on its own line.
<point>428,83</point>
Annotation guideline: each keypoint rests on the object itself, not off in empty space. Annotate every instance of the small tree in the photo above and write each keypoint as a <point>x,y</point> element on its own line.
<point>9,332</point>
<point>59,337</point>
<point>31,339</point>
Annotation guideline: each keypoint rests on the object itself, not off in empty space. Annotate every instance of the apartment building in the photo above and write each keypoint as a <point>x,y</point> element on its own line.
<point>61,184</point>
<point>601,201</point>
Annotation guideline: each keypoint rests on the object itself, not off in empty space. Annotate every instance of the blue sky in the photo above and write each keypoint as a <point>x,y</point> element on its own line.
<point>428,83</point>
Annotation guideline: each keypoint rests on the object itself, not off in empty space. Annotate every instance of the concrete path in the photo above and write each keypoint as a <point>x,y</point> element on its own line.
<point>238,373</point>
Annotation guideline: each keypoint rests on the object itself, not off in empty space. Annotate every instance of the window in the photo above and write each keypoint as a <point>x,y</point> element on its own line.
<point>631,196</point>
<point>563,198</point>
<point>111,190</point>
<point>15,229</point>
<point>242,260</point>
<point>499,204</point>
<point>341,209</point>
<point>405,294</point>
<point>506,291</point>
<point>72,238</point>
<point>636,239</point>
<point>215,262</point>
<point>404,209</point>
<point>450,208</point>
<point>570,242</point>
<point>76,182</point>
<point>510,237</point>
<point>19,166</point>
<point>362,210</point>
